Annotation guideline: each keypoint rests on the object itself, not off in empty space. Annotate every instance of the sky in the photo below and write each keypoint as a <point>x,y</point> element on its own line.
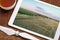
<point>33,4</point>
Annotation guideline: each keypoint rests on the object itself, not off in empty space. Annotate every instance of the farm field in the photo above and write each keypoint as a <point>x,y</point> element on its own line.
<point>36,22</point>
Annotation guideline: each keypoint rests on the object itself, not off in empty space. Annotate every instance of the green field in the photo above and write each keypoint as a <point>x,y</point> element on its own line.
<point>36,22</point>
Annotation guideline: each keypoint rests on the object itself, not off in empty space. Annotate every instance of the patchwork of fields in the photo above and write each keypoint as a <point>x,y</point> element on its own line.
<point>36,22</point>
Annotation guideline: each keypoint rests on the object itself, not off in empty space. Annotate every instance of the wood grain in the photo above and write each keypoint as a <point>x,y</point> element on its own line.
<point>5,16</point>
<point>53,2</point>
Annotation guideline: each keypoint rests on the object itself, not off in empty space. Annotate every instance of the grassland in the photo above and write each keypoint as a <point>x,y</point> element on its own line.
<point>36,22</point>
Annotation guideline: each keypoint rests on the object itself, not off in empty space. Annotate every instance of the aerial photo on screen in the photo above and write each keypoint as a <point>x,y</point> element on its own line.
<point>38,17</point>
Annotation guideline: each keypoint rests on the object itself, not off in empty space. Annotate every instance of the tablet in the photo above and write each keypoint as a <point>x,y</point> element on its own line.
<point>37,17</point>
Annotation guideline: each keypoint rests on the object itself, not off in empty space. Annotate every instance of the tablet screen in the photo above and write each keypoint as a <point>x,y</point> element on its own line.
<point>38,17</point>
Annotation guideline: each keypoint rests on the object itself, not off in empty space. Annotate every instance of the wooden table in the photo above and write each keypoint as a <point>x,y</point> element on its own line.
<point>5,16</point>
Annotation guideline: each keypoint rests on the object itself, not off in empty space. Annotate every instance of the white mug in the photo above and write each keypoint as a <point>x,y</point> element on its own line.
<point>8,8</point>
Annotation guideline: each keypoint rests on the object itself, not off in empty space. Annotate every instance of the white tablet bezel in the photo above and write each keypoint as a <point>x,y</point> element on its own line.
<point>15,13</point>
